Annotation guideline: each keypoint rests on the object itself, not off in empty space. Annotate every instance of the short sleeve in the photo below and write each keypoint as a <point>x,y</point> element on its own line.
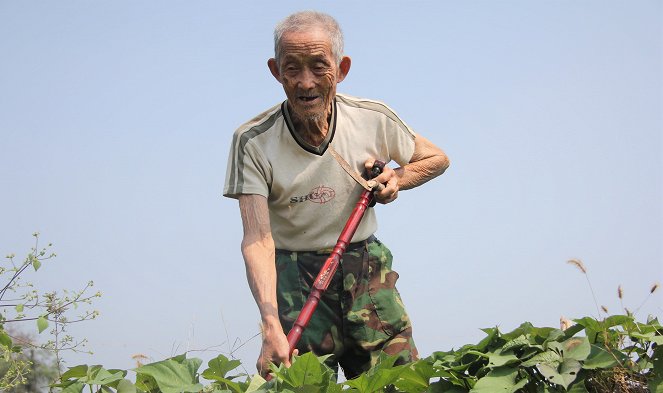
<point>248,171</point>
<point>399,139</point>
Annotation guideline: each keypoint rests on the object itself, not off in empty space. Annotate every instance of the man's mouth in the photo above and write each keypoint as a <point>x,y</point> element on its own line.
<point>308,98</point>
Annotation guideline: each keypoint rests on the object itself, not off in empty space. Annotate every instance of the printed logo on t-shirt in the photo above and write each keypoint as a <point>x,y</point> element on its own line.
<point>320,194</point>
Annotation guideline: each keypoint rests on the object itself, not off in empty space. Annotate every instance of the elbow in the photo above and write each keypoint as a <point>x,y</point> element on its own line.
<point>443,164</point>
<point>446,163</point>
<point>252,246</point>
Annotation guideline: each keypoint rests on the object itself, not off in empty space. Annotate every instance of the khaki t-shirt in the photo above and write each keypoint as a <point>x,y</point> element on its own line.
<point>310,196</point>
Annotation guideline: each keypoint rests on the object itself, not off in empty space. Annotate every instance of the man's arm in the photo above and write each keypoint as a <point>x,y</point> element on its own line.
<point>258,252</point>
<point>428,161</point>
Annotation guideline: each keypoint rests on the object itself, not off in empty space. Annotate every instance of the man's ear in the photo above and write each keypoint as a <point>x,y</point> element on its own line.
<point>274,69</point>
<point>344,68</point>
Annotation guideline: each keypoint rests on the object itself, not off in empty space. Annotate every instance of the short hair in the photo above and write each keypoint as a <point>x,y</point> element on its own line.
<point>306,20</point>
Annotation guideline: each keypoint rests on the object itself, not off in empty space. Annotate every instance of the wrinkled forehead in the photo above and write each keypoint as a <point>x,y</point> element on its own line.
<point>306,41</point>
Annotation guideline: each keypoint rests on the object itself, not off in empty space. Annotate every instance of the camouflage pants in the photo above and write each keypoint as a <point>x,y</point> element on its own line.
<point>361,313</point>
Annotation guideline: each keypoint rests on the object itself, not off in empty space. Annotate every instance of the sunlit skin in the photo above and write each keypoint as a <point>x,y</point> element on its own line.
<point>309,73</point>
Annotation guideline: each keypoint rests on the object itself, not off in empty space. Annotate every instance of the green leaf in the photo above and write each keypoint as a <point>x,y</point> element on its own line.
<point>76,387</point>
<point>656,384</point>
<point>382,374</point>
<point>305,370</point>
<point>219,367</point>
<point>125,386</point>
<point>443,386</point>
<point>541,335</point>
<point>93,375</point>
<point>518,342</point>
<point>589,323</point>
<point>650,336</point>
<point>543,357</point>
<point>492,333</point>
<point>577,348</point>
<point>599,357</point>
<point>19,307</point>
<point>175,375</point>
<point>578,386</point>
<point>499,358</point>
<point>617,320</point>
<point>573,330</point>
<point>499,380</point>
<point>555,335</point>
<point>256,384</point>
<point>5,340</point>
<point>525,328</point>
<point>97,375</point>
<point>569,371</point>
<point>42,323</point>
<point>74,373</point>
<point>416,377</point>
<point>549,371</point>
<point>36,263</point>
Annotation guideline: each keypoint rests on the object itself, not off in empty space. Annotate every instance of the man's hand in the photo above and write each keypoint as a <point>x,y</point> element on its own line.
<point>275,349</point>
<point>427,162</point>
<point>389,178</point>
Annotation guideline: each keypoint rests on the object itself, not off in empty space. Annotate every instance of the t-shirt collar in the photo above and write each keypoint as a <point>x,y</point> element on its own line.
<point>319,150</point>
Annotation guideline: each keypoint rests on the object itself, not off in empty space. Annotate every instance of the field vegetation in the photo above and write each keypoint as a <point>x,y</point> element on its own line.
<point>608,354</point>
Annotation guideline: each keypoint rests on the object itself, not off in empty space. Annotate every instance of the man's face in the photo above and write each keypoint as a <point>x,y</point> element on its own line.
<point>308,72</point>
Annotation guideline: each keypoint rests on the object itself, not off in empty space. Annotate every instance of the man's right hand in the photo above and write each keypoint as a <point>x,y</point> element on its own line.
<point>275,349</point>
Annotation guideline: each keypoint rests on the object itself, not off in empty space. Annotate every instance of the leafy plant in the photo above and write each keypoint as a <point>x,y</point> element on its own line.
<point>604,354</point>
<point>615,354</point>
<point>531,359</point>
<point>21,303</point>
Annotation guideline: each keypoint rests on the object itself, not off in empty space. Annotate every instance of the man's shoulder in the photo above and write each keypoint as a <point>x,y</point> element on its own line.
<point>369,107</point>
<point>365,104</point>
<point>261,122</point>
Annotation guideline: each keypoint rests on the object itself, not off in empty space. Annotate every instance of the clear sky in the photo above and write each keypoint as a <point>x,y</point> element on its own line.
<point>116,118</point>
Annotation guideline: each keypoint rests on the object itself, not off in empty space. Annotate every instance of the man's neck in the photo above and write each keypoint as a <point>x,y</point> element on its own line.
<point>312,130</point>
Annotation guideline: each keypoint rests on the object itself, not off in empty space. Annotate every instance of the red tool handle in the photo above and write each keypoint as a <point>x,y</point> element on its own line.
<point>331,264</point>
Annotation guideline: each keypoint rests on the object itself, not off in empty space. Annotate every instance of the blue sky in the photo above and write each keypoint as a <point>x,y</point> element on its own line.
<point>116,117</point>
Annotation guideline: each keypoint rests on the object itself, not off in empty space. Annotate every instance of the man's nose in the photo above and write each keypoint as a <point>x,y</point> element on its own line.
<point>306,79</point>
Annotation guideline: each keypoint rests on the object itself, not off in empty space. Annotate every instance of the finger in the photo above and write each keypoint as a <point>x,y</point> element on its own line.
<point>389,194</point>
<point>262,369</point>
<point>386,175</point>
<point>390,187</point>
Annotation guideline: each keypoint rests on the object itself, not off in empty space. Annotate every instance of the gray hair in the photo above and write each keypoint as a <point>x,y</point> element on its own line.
<point>307,20</point>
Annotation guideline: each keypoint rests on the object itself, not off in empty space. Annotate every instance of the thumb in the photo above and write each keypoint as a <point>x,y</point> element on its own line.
<point>288,362</point>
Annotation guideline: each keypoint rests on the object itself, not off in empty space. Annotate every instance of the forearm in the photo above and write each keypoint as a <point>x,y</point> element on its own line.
<point>258,252</point>
<point>428,162</point>
<point>261,277</point>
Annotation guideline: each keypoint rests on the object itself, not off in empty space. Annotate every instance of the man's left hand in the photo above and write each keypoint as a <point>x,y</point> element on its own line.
<point>389,178</point>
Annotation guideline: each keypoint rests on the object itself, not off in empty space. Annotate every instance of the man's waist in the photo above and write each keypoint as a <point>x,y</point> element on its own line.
<point>350,247</point>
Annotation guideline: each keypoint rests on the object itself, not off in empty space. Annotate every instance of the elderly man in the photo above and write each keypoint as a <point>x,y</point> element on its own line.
<point>294,199</point>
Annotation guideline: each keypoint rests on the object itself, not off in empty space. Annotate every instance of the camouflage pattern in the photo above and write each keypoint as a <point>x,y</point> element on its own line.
<point>361,313</point>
